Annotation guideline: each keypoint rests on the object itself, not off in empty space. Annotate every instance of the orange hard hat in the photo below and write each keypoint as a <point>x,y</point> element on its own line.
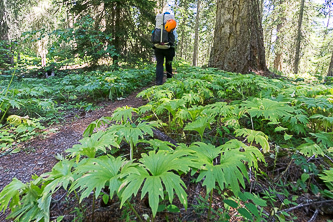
<point>170,25</point>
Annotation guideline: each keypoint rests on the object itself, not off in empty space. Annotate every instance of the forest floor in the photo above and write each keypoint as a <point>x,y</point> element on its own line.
<point>38,156</point>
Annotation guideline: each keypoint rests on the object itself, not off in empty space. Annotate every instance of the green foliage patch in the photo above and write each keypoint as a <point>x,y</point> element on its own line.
<point>231,130</point>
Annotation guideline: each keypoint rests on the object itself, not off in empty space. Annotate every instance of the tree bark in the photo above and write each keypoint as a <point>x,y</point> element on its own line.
<point>159,6</point>
<point>278,45</point>
<point>278,55</point>
<point>298,39</point>
<point>330,69</point>
<point>196,37</point>
<point>257,50</point>
<point>116,34</point>
<point>238,41</point>
<point>4,38</point>
<point>182,31</point>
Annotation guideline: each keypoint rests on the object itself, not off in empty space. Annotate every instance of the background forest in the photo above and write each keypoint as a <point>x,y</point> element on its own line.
<point>243,132</point>
<point>48,33</point>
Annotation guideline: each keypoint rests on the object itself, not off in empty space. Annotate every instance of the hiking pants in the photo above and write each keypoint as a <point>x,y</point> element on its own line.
<point>160,54</point>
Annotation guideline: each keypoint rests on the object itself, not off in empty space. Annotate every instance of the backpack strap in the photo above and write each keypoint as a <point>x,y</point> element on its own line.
<point>162,29</point>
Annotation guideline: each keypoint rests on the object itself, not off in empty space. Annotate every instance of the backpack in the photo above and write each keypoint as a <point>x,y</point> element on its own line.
<point>160,37</point>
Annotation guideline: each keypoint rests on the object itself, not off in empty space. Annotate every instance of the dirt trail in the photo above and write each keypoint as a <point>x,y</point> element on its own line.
<point>37,156</point>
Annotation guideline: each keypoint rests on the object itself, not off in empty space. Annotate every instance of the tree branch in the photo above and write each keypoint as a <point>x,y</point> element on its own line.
<point>305,205</point>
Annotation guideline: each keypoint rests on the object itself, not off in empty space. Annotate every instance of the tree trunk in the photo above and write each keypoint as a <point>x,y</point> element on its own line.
<point>330,69</point>
<point>278,56</point>
<point>4,38</point>
<point>278,45</point>
<point>257,50</point>
<point>322,64</point>
<point>269,44</point>
<point>298,39</point>
<point>3,22</point>
<point>116,34</point>
<point>196,37</point>
<point>182,31</point>
<point>238,41</point>
<point>159,6</point>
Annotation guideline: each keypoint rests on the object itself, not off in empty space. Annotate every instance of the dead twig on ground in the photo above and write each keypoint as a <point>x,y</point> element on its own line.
<point>313,218</point>
<point>305,205</point>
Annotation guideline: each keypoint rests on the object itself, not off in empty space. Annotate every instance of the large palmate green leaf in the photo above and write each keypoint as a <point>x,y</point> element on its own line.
<point>95,124</point>
<point>155,93</point>
<point>327,176</point>
<point>96,173</point>
<point>60,176</point>
<point>268,109</point>
<point>11,193</point>
<point>206,153</point>
<point>252,154</point>
<point>124,114</point>
<point>170,105</point>
<point>324,138</point>
<point>191,98</point>
<point>195,112</point>
<point>219,109</point>
<point>159,144</point>
<point>90,145</point>
<point>200,125</point>
<point>157,168</point>
<point>228,172</point>
<point>25,201</point>
<point>310,148</point>
<point>145,108</point>
<point>131,132</point>
<point>257,136</point>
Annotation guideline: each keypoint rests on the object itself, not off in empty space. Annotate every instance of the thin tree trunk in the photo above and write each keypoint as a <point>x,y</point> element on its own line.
<point>186,47</point>
<point>278,45</point>
<point>330,69</point>
<point>298,39</point>
<point>278,56</point>
<point>116,26</point>
<point>182,31</point>
<point>159,6</point>
<point>325,34</point>
<point>4,30</point>
<point>196,37</point>
<point>269,44</point>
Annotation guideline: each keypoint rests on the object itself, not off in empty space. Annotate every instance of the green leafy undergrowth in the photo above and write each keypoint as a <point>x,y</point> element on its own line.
<point>157,174</point>
<point>233,132</point>
<point>18,129</point>
<point>48,97</point>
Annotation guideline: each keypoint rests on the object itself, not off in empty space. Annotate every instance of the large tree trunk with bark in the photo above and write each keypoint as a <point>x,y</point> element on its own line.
<point>298,39</point>
<point>257,50</point>
<point>196,36</point>
<point>238,41</point>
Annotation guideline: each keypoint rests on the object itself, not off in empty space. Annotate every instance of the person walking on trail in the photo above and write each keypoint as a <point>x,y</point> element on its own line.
<point>164,38</point>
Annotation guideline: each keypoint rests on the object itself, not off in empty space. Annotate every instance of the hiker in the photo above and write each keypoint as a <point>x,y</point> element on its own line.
<point>164,38</point>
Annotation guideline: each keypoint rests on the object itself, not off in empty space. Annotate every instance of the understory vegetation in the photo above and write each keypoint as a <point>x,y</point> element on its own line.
<point>257,148</point>
<point>36,100</point>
